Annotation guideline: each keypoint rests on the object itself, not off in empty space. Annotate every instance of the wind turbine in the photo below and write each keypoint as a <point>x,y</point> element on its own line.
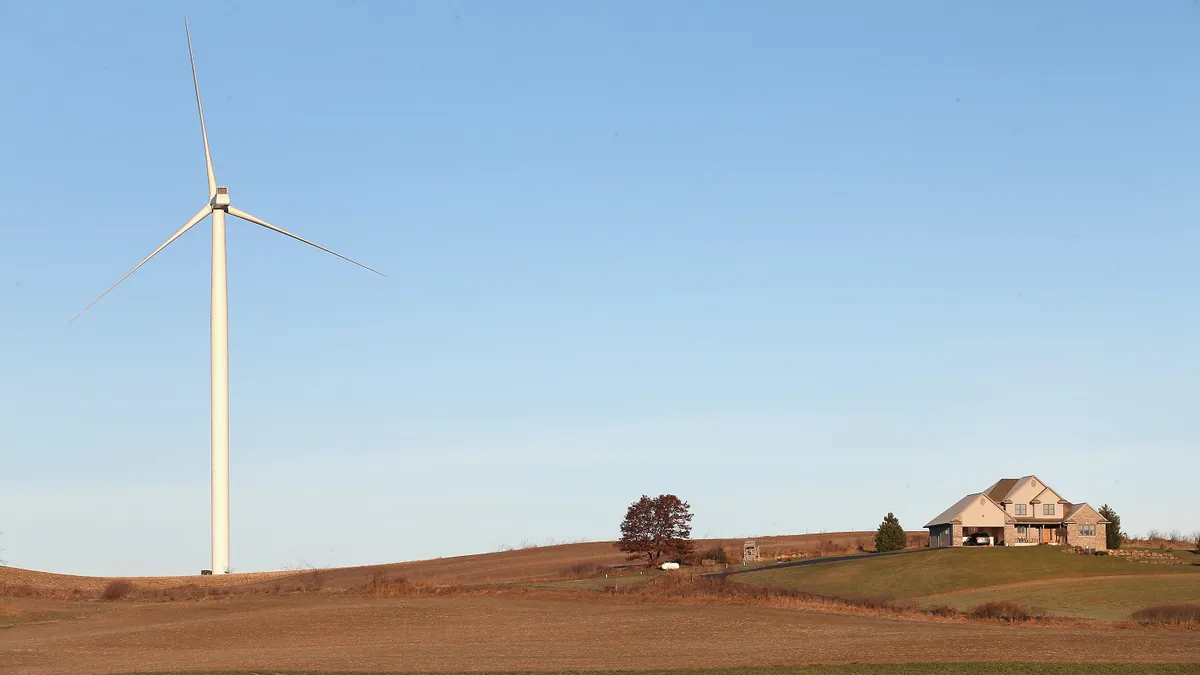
<point>217,206</point>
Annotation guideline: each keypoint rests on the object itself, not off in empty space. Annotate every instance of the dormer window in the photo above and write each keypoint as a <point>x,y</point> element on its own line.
<point>1019,509</point>
<point>1047,509</point>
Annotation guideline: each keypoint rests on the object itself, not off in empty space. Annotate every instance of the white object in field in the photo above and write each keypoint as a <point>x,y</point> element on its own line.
<point>670,566</point>
<point>218,205</point>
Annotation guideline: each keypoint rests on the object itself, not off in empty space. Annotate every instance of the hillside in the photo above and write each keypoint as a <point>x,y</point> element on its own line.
<point>536,563</point>
<point>1044,579</point>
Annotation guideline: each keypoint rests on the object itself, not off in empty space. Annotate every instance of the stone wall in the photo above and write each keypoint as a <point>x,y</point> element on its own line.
<point>1010,534</point>
<point>956,537</point>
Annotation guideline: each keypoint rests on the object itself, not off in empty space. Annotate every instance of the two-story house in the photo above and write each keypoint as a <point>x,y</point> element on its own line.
<point>1019,512</point>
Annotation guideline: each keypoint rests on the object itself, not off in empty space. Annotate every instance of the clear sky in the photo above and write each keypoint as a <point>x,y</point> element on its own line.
<point>799,263</point>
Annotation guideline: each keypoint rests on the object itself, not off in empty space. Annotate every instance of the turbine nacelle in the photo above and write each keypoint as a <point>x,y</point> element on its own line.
<point>221,199</point>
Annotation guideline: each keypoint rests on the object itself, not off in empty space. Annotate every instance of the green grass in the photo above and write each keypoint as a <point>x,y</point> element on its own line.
<point>891,669</point>
<point>936,572</point>
<point>1101,599</point>
<point>11,620</point>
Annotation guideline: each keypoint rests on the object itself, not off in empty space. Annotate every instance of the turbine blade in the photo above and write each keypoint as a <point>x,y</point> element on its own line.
<point>212,179</point>
<point>187,226</point>
<point>234,211</point>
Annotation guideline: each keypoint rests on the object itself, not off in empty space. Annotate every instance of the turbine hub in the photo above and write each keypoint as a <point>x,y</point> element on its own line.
<point>221,199</point>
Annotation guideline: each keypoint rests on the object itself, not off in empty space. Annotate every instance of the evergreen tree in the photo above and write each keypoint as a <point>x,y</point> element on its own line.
<point>890,536</point>
<point>1113,529</point>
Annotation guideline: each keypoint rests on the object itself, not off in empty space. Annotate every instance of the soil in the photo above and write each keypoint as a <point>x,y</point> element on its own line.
<point>324,628</point>
<point>338,632</point>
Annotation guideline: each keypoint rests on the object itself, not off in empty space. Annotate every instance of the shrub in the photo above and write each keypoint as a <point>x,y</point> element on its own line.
<point>1184,614</point>
<point>1006,610</point>
<point>943,610</point>
<point>890,536</point>
<point>585,570</point>
<point>715,554</point>
<point>116,589</point>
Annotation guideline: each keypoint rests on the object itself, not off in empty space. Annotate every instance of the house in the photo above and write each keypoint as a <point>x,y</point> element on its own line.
<point>1019,512</point>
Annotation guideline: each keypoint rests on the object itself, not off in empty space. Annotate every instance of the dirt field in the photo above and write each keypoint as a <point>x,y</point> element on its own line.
<point>333,632</point>
<point>326,627</point>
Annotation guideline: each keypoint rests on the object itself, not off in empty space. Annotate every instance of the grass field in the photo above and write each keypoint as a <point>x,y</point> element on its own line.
<point>1103,599</point>
<point>951,570</point>
<point>886,669</point>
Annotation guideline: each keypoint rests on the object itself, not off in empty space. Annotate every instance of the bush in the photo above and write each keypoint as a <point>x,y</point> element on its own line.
<point>1184,614</point>
<point>117,589</point>
<point>943,610</point>
<point>716,554</point>
<point>585,570</point>
<point>890,536</point>
<point>1005,610</point>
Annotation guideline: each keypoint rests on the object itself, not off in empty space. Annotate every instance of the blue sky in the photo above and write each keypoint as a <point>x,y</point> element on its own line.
<point>798,263</point>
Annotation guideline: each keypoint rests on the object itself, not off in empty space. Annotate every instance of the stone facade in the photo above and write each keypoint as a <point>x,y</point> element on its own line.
<point>1026,505</point>
<point>1084,518</point>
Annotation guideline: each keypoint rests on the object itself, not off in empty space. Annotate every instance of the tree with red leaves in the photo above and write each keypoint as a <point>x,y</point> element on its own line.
<point>655,528</point>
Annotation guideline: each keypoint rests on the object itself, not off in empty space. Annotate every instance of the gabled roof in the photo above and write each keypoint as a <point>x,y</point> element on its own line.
<point>1076,508</point>
<point>952,514</point>
<point>1001,489</point>
<point>1004,488</point>
<point>1041,494</point>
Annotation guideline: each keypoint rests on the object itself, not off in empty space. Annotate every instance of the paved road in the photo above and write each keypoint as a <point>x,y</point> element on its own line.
<point>818,561</point>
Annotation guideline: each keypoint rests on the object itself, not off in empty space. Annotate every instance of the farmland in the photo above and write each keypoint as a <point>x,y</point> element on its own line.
<point>547,608</point>
<point>873,669</point>
<point>345,633</point>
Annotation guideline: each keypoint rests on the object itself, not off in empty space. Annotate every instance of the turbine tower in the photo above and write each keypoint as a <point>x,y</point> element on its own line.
<point>218,206</point>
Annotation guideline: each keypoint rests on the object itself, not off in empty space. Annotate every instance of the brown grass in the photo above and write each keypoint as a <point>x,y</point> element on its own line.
<point>1006,610</point>
<point>1163,539</point>
<point>116,589</point>
<point>537,563</point>
<point>1169,614</point>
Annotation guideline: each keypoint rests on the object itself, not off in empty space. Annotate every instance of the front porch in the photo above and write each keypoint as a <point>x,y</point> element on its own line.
<point>1029,534</point>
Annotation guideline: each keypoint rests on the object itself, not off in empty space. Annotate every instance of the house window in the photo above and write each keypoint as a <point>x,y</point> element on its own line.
<point>1047,509</point>
<point>1020,509</point>
<point>1087,530</point>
